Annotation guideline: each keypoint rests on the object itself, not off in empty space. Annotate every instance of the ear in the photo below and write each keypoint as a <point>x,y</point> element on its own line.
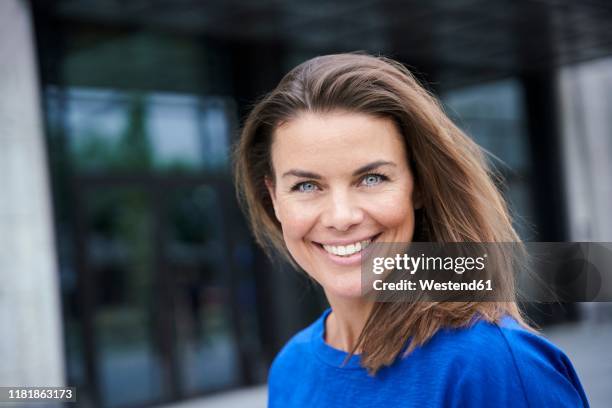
<point>272,191</point>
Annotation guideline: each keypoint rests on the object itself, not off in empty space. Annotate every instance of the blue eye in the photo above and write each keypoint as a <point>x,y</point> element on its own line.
<point>305,187</point>
<point>373,179</point>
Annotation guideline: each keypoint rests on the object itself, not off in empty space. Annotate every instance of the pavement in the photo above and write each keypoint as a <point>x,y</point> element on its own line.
<point>252,397</point>
<point>588,345</point>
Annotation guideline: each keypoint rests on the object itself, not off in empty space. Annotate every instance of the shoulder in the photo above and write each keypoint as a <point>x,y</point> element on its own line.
<point>546,372</point>
<point>511,363</point>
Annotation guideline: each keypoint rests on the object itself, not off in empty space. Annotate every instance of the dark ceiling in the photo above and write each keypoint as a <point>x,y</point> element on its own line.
<point>457,40</point>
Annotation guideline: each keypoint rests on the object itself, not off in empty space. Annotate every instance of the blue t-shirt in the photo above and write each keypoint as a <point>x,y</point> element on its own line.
<point>485,365</point>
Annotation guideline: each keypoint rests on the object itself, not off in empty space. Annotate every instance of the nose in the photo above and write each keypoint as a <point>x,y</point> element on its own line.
<point>342,211</point>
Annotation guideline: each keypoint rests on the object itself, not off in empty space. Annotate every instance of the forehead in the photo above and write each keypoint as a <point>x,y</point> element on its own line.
<point>338,137</point>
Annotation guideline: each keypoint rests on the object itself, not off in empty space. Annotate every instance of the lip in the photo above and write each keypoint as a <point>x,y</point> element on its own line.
<point>350,260</point>
<point>349,241</point>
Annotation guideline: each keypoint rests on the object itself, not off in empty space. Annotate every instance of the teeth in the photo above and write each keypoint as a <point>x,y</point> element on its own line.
<point>346,250</point>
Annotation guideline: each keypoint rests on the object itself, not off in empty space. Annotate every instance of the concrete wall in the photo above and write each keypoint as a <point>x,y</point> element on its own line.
<point>586,114</point>
<point>586,91</point>
<point>31,349</point>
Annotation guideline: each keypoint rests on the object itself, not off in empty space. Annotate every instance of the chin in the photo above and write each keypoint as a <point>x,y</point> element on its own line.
<point>345,287</point>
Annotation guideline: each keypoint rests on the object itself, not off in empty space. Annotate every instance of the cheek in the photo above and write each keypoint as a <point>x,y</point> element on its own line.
<point>400,218</point>
<point>394,209</point>
<point>297,219</point>
<point>395,213</point>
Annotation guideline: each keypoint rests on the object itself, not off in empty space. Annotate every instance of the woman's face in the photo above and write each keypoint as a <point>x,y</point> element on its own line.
<point>342,180</point>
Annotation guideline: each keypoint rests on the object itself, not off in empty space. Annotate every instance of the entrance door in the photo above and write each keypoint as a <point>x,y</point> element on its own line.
<point>158,290</point>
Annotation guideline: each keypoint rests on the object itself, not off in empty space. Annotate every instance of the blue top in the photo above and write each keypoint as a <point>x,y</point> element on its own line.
<point>486,365</point>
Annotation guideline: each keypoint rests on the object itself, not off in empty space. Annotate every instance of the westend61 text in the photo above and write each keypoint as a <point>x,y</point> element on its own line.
<point>430,284</point>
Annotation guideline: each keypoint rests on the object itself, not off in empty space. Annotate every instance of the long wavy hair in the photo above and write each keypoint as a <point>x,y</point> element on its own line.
<point>460,204</point>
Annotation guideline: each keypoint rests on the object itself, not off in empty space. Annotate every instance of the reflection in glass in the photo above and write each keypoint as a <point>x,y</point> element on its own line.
<point>493,115</point>
<point>197,259</point>
<point>127,131</point>
<point>120,257</point>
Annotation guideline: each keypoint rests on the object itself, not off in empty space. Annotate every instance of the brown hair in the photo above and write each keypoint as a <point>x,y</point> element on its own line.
<point>460,204</point>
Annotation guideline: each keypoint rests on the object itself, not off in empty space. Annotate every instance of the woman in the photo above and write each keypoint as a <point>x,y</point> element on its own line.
<point>348,150</point>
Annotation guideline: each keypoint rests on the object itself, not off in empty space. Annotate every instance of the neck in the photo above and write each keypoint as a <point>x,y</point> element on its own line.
<point>346,321</point>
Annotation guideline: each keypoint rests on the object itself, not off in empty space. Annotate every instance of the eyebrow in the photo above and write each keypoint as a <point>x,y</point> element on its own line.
<point>372,166</point>
<point>361,170</point>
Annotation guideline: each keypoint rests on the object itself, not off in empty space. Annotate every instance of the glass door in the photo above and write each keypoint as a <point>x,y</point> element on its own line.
<point>198,262</point>
<point>121,288</point>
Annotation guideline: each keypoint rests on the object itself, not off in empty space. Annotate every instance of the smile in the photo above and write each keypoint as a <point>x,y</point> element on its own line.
<point>347,250</point>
